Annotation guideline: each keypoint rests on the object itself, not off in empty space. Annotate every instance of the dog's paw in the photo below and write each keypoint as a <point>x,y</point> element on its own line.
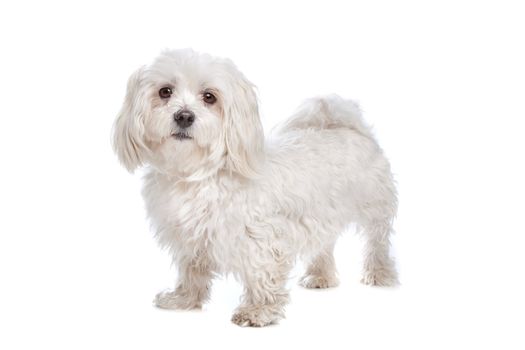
<point>380,277</point>
<point>257,316</point>
<point>173,301</point>
<point>316,281</point>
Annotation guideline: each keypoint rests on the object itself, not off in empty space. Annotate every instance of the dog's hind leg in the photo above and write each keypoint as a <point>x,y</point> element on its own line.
<point>321,271</point>
<point>379,268</point>
<point>377,207</point>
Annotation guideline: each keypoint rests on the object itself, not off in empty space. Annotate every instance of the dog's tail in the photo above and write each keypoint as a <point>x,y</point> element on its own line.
<point>327,112</point>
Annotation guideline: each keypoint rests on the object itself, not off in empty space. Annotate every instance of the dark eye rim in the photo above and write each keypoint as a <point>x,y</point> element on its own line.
<point>206,99</point>
<point>165,92</point>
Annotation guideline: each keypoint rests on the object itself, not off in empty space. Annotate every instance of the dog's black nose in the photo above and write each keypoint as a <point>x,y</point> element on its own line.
<point>184,118</point>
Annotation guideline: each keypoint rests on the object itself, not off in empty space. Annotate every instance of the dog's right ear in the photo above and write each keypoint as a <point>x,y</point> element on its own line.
<point>128,130</point>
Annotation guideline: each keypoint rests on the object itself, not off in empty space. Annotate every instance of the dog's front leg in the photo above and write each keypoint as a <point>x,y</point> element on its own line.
<point>265,293</point>
<point>192,289</point>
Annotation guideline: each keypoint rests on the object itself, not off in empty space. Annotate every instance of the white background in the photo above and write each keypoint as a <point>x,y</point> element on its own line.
<point>442,82</point>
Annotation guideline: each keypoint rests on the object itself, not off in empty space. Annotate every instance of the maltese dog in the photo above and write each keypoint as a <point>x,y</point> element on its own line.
<point>222,199</point>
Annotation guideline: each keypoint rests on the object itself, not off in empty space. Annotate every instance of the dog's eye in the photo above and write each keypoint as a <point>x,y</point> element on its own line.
<point>165,92</point>
<point>209,98</point>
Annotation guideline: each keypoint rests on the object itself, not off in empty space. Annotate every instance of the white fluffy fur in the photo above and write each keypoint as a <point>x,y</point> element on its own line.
<point>227,202</point>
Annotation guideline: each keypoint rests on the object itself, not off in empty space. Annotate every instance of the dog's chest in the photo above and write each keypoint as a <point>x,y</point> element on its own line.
<point>195,218</point>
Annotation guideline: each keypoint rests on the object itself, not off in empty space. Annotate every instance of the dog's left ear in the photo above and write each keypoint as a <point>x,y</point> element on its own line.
<point>243,130</point>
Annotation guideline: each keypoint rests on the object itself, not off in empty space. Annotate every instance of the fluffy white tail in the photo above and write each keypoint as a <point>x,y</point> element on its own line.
<point>327,112</point>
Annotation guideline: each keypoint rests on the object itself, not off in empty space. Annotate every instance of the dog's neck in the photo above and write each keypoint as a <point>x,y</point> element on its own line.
<point>218,176</point>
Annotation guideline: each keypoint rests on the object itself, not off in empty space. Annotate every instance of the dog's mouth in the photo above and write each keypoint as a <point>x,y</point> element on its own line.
<point>181,135</point>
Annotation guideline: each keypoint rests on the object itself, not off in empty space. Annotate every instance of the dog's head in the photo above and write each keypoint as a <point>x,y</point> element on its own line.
<point>189,114</point>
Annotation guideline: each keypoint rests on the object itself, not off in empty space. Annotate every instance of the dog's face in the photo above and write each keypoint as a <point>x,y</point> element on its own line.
<point>191,115</point>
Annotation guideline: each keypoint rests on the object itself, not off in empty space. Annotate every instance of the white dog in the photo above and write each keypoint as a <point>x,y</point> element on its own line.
<point>223,200</point>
